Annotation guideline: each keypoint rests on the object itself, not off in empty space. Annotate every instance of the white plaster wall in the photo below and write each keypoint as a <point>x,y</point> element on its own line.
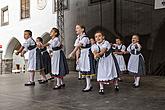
<point>40,21</point>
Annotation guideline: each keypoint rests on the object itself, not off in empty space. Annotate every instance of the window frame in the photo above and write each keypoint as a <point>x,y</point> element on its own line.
<point>26,16</point>
<point>2,16</point>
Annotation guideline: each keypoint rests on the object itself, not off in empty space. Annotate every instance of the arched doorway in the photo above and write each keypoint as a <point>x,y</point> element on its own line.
<point>13,62</point>
<point>13,44</point>
<point>108,35</point>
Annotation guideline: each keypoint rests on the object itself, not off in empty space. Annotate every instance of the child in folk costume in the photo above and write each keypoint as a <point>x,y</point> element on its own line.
<point>106,65</point>
<point>59,64</point>
<point>77,58</point>
<point>45,59</point>
<point>95,49</point>
<point>93,46</point>
<point>85,60</point>
<point>136,65</point>
<point>119,50</point>
<point>34,62</point>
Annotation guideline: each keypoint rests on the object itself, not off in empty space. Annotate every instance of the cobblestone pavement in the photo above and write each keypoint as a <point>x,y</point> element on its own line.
<point>15,96</point>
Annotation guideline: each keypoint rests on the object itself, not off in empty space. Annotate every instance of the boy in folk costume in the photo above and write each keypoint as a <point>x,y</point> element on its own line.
<point>107,70</point>
<point>119,50</point>
<point>136,64</point>
<point>85,60</point>
<point>59,64</point>
<point>33,63</point>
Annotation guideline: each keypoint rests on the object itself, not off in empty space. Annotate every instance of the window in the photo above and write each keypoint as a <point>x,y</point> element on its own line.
<point>4,16</point>
<point>97,1</point>
<point>25,9</point>
<point>66,5</point>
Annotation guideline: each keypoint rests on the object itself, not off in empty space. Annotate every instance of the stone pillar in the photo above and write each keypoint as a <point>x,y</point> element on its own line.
<point>1,62</point>
<point>7,66</point>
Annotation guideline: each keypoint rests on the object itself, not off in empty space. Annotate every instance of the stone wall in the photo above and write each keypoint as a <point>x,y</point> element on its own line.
<point>6,67</point>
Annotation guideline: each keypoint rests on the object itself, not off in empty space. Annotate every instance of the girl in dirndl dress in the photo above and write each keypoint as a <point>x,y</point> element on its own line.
<point>86,59</point>
<point>119,50</point>
<point>45,59</point>
<point>77,58</point>
<point>136,64</point>
<point>107,70</point>
<point>59,64</point>
<point>93,46</point>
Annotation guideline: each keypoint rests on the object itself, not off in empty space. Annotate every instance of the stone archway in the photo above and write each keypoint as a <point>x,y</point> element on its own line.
<point>108,35</point>
<point>13,44</point>
<point>46,37</point>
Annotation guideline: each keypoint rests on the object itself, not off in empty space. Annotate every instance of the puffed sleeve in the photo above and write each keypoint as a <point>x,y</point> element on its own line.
<point>123,48</point>
<point>56,42</point>
<point>84,41</point>
<point>26,45</point>
<point>106,45</point>
<point>94,48</point>
<point>138,47</point>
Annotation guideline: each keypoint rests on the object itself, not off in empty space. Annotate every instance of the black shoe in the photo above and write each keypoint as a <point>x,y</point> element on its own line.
<point>79,78</point>
<point>87,90</point>
<point>136,86</point>
<point>43,81</point>
<point>51,78</point>
<point>30,83</point>
<point>39,80</point>
<point>117,88</point>
<point>133,85</point>
<point>57,87</point>
<point>62,85</point>
<point>101,91</point>
<point>120,80</point>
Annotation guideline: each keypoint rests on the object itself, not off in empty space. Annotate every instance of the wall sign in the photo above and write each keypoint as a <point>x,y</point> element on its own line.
<point>159,4</point>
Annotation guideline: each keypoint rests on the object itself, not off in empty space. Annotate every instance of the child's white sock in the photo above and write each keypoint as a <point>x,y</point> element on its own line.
<point>88,82</point>
<point>62,81</point>
<point>32,74</point>
<point>137,81</point>
<point>79,74</point>
<point>116,82</point>
<point>58,82</point>
<point>101,85</point>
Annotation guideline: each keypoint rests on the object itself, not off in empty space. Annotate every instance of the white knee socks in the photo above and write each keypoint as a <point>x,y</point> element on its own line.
<point>58,82</point>
<point>116,82</point>
<point>101,85</point>
<point>32,74</point>
<point>134,80</point>
<point>137,81</point>
<point>88,82</point>
<point>79,74</point>
<point>62,81</point>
